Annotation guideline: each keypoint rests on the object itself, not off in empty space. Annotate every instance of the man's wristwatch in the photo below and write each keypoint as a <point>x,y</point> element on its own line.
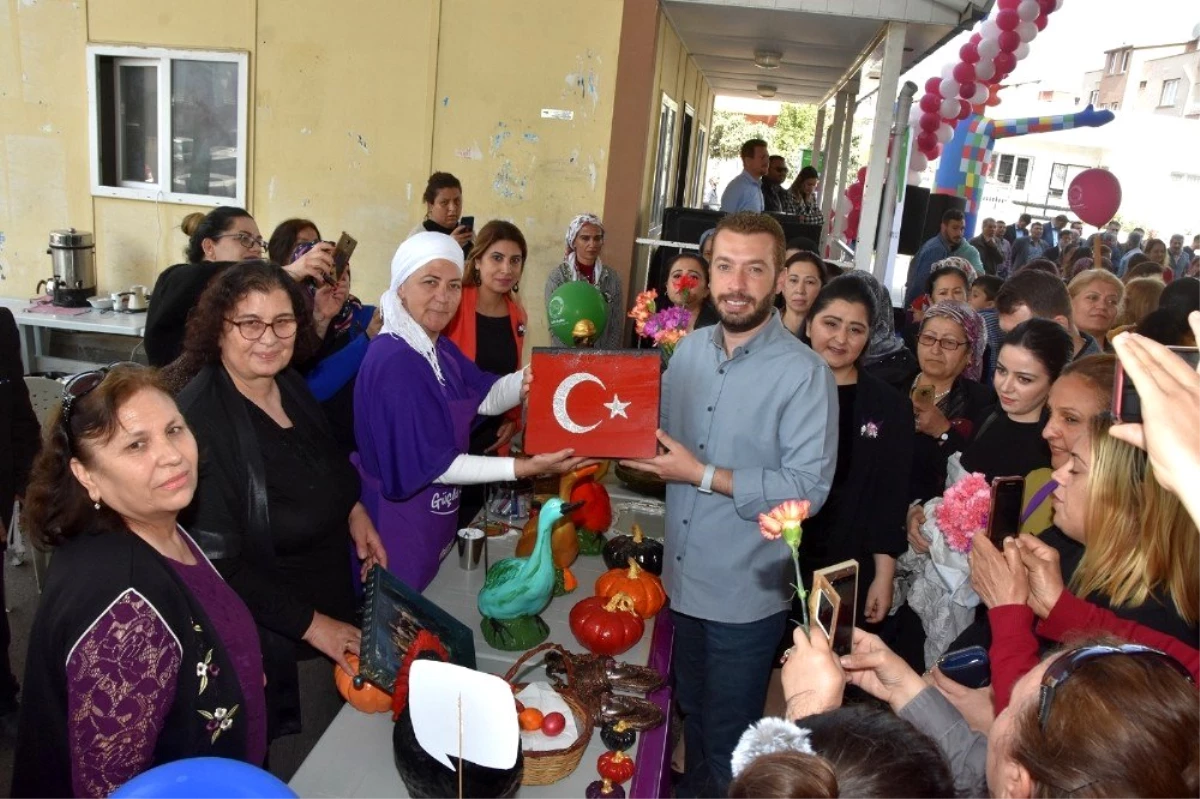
<point>706,481</point>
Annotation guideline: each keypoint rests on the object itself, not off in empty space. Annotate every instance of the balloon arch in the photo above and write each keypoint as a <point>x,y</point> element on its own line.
<point>949,121</point>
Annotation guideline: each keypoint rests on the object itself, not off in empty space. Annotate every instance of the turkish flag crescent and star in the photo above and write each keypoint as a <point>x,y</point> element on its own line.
<point>601,403</point>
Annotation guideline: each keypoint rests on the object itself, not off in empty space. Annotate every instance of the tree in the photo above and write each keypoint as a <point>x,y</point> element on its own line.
<point>793,131</point>
<point>730,130</point>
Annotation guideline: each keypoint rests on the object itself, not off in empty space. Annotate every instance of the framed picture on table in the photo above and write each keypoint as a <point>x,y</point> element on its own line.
<point>601,403</point>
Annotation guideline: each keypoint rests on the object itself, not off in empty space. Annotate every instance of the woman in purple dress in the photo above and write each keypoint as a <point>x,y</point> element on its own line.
<point>140,653</point>
<point>414,402</point>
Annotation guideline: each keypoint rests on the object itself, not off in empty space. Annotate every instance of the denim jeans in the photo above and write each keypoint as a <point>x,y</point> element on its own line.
<point>721,673</point>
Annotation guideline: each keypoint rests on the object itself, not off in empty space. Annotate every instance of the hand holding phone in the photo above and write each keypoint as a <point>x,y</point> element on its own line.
<point>1004,518</point>
<point>468,222</point>
<point>969,667</point>
<point>1126,404</point>
<point>833,601</point>
<point>341,255</point>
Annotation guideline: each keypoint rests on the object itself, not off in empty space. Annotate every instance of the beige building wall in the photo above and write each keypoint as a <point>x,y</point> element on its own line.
<point>351,108</point>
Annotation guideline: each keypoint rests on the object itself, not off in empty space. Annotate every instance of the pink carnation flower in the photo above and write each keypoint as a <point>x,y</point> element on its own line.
<point>964,511</point>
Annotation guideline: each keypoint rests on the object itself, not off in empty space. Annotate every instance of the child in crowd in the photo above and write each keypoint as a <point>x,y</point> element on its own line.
<point>983,300</point>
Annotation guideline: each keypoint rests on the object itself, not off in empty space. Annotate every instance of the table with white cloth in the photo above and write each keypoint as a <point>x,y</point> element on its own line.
<point>354,757</point>
<point>35,320</point>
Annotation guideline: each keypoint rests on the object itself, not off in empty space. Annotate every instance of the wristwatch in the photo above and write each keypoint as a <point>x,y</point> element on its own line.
<point>706,481</point>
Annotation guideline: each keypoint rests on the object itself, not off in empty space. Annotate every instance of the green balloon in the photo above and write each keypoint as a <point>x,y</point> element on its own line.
<point>573,302</point>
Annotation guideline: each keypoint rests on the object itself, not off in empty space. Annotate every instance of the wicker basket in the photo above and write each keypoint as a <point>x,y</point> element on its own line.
<point>548,767</point>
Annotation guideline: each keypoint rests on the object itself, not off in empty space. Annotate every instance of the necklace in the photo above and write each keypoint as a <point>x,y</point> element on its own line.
<point>937,397</point>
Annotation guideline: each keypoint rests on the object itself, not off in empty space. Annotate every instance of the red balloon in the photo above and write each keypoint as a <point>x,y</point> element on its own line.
<point>1041,22</point>
<point>976,38</point>
<point>1009,4</point>
<point>929,122</point>
<point>1008,20</point>
<point>964,72</point>
<point>1005,63</point>
<point>934,85</point>
<point>967,90</point>
<point>1048,6</point>
<point>1008,41</point>
<point>854,194</point>
<point>862,174</point>
<point>1095,195</point>
<point>969,53</point>
<point>931,103</point>
<point>964,109</point>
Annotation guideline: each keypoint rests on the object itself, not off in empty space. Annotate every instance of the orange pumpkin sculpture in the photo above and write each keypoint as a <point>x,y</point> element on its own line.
<point>369,698</point>
<point>645,589</point>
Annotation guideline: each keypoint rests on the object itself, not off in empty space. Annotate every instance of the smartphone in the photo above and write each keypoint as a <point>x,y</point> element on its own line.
<point>968,667</point>
<point>1004,518</point>
<point>341,254</point>
<point>923,395</point>
<point>1126,404</point>
<point>834,598</point>
<point>468,222</point>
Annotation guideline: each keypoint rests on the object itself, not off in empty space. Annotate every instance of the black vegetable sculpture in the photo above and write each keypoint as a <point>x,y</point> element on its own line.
<point>647,553</point>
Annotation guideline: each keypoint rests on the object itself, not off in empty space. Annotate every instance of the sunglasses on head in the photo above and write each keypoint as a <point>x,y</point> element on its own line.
<point>85,383</point>
<point>1070,662</point>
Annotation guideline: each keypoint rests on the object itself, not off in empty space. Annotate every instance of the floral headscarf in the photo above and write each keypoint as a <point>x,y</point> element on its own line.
<point>961,264</point>
<point>972,325</point>
<point>883,331</point>
<point>572,231</point>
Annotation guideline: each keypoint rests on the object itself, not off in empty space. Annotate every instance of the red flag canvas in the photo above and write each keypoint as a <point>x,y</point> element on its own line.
<point>602,403</point>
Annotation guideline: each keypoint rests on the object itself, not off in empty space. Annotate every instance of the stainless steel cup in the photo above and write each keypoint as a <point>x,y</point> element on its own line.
<point>472,548</point>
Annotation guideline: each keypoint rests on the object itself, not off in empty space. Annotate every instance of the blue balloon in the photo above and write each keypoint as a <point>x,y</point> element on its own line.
<point>199,777</point>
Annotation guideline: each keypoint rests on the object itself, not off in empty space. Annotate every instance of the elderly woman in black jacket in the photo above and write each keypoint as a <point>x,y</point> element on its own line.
<point>277,506</point>
<point>20,438</point>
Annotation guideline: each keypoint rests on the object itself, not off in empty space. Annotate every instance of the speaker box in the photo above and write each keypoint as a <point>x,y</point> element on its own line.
<point>938,205</point>
<point>687,224</point>
<point>912,222</point>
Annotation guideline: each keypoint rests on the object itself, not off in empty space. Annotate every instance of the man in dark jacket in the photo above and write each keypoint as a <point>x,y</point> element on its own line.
<point>20,438</point>
<point>988,245</point>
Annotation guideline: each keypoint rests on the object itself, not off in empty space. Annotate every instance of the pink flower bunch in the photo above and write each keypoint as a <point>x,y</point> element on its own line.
<point>964,511</point>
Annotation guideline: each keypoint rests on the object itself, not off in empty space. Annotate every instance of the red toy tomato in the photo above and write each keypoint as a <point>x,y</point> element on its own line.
<point>553,724</point>
<point>615,766</point>
<point>607,626</point>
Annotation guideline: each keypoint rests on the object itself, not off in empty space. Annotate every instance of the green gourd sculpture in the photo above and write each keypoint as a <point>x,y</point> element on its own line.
<point>518,589</point>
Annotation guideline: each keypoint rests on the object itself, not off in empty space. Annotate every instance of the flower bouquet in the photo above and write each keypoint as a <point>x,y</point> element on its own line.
<point>784,521</point>
<point>937,585</point>
<point>666,327</point>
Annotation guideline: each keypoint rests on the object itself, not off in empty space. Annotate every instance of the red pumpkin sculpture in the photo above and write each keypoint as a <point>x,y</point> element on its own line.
<point>369,698</point>
<point>607,626</point>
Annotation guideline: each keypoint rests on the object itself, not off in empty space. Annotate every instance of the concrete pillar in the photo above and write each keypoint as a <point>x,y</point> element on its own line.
<point>885,114</point>
<point>818,158</point>
<point>844,147</point>
<point>830,166</point>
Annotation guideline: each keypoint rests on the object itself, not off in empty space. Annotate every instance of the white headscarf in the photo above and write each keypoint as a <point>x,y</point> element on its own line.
<point>414,253</point>
<point>572,231</point>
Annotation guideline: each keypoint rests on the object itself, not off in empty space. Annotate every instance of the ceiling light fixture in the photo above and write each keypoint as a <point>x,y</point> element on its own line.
<point>766,90</point>
<point>767,59</point>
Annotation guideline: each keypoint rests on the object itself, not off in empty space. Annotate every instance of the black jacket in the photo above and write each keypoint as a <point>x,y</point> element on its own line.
<point>20,432</point>
<point>175,294</point>
<point>930,455</point>
<point>233,485</point>
<point>87,574</point>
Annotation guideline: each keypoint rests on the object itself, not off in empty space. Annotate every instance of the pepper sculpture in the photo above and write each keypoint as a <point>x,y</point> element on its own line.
<point>518,589</point>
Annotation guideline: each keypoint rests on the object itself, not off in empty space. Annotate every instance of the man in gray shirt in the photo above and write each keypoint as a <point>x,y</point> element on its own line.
<point>749,420</point>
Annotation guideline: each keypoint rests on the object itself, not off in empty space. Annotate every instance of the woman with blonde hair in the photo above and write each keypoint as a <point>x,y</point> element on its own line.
<point>1096,298</point>
<point>1141,298</point>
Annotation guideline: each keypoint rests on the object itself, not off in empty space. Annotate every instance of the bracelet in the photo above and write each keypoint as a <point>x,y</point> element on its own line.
<point>706,481</point>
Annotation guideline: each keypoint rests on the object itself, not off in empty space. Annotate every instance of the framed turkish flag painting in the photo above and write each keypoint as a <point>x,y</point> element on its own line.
<point>601,403</point>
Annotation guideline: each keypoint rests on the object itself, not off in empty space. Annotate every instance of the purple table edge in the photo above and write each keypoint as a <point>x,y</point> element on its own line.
<point>652,779</point>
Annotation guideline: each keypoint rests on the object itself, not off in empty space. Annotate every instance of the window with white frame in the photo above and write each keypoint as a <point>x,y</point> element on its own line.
<point>1012,170</point>
<point>168,125</point>
<point>1170,92</point>
<point>1094,98</point>
<point>668,111</point>
<point>1125,61</point>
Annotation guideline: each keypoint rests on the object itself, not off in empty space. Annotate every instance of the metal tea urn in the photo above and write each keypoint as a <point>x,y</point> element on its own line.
<point>73,255</point>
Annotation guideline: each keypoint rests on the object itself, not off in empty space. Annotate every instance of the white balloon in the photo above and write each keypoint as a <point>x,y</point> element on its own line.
<point>985,71</point>
<point>1027,31</point>
<point>988,49</point>
<point>948,73</point>
<point>949,90</point>
<point>981,94</point>
<point>1021,51</point>
<point>1028,10</point>
<point>950,108</point>
<point>917,163</point>
<point>945,132</point>
<point>1058,4</point>
<point>989,29</point>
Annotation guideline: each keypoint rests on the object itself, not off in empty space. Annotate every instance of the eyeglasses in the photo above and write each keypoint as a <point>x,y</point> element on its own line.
<point>253,329</point>
<point>245,239</point>
<point>947,344</point>
<point>83,384</point>
<point>1060,670</point>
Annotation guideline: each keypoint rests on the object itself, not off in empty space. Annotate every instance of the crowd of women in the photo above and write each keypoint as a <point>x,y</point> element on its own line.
<point>212,520</point>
